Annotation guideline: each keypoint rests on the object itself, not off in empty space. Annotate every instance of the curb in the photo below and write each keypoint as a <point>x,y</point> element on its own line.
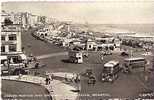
<point>51,89</point>
<point>39,84</point>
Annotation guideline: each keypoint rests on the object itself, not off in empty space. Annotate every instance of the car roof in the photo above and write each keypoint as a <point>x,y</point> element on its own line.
<point>135,58</point>
<point>111,63</point>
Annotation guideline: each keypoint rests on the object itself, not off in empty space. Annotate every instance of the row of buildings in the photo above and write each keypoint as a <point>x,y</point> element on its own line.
<point>89,41</point>
<point>78,43</point>
<point>67,38</point>
<point>25,19</point>
<point>12,26</point>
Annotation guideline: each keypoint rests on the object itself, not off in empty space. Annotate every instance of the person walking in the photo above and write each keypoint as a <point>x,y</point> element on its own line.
<point>66,79</point>
<point>37,64</point>
<point>77,78</point>
<point>47,80</point>
<point>51,77</point>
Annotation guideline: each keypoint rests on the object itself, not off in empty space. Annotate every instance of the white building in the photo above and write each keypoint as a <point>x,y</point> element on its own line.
<point>11,42</point>
<point>33,20</point>
<point>90,44</point>
<point>11,39</point>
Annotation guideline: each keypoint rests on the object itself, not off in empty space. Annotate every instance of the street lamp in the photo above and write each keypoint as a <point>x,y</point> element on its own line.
<point>8,64</point>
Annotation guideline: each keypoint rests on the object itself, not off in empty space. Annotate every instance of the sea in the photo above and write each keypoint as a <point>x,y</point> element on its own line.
<point>144,29</point>
<point>140,28</point>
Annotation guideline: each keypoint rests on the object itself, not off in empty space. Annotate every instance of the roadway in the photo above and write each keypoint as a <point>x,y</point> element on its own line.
<point>37,47</point>
<point>124,86</point>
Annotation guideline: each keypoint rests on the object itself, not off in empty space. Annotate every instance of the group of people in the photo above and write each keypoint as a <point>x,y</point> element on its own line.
<point>49,78</point>
<point>74,79</point>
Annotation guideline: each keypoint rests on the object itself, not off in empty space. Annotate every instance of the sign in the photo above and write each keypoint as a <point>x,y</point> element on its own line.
<point>8,42</point>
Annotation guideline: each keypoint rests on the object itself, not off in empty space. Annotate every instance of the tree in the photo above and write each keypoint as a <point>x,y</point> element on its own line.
<point>7,21</point>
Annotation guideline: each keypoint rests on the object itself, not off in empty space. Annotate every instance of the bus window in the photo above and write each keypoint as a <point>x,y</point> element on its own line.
<point>110,71</point>
<point>107,69</point>
<point>135,62</point>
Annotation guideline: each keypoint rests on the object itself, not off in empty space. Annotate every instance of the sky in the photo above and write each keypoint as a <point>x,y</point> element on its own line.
<point>91,12</point>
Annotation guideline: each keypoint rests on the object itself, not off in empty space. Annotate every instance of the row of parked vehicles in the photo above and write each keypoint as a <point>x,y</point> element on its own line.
<point>12,64</point>
<point>112,69</point>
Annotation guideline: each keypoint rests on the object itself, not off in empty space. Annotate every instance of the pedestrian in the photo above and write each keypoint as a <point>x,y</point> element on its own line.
<point>11,60</point>
<point>25,63</point>
<point>20,75</point>
<point>66,79</point>
<point>5,64</point>
<point>102,58</point>
<point>77,79</point>
<point>73,78</point>
<point>35,59</point>
<point>47,80</point>
<point>36,64</point>
<point>52,76</point>
<point>146,78</point>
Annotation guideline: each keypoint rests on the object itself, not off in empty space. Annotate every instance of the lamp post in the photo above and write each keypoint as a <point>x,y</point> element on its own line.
<point>8,64</point>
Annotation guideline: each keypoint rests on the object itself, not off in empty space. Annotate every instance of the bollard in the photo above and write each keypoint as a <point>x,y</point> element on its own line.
<point>146,78</point>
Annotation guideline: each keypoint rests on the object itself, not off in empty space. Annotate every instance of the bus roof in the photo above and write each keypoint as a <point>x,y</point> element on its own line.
<point>134,58</point>
<point>111,63</point>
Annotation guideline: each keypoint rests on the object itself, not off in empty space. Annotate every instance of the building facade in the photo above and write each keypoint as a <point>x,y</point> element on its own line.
<point>11,39</point>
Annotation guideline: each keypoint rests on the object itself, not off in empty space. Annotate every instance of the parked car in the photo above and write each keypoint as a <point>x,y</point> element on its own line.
<point>20,71</point>
<point>92,80</point>
<point>124,53</point>
<point>39,65</point>
<point>85,54</point>
<point>88,72</point>
<point>107,52</point>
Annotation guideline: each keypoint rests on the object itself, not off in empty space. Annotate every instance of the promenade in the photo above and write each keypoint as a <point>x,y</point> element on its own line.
<point>57,89</point>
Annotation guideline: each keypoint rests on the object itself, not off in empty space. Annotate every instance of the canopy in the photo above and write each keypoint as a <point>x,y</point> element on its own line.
<point>3,57</point>
<point>23,56</point>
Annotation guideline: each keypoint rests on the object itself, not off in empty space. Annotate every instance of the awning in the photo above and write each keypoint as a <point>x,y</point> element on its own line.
<point>3,57</point>
<point>23,56</point>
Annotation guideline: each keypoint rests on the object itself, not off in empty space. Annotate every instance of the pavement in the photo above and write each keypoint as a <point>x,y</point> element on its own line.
<point>57,89</point>
<point>16,90</point>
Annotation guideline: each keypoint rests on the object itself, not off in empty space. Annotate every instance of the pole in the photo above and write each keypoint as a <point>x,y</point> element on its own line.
<point>8,64</point>
<point>131,53</point>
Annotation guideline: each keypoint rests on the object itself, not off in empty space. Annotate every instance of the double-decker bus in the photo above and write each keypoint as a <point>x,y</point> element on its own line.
<point>134,62</point>
<point>110,71</point>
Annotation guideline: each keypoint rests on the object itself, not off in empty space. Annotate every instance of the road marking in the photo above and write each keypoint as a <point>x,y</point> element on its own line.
<point>51,55</point>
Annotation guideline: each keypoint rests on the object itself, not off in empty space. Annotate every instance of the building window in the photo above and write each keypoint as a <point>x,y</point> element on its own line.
<point>89,46</point>
<point>12,48</point>
<point>12,28</point>
<point>3,38</point>
<point>2,48</point>
<point>12,37</point>
<point>15,59</point>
